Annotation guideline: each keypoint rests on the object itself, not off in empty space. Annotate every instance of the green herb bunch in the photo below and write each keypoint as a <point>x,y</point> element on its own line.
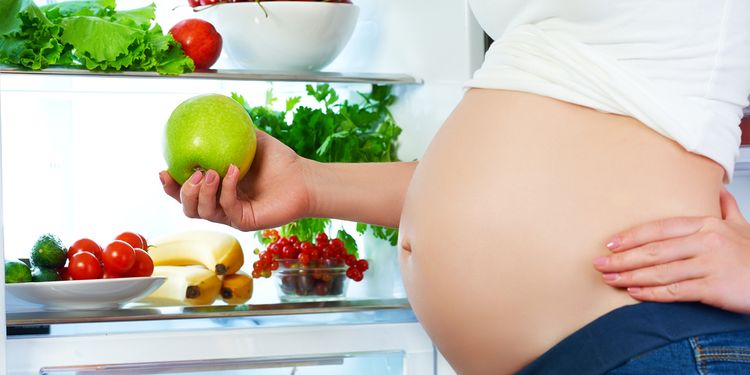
<point>87,34</point>
<point>340,131</point>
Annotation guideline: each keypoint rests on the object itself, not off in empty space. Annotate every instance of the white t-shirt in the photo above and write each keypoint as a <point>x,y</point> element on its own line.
<point>682,67</point>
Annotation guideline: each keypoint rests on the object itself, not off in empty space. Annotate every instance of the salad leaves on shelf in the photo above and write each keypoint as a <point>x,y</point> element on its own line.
<point>340,131</point>
<point>88,34</point>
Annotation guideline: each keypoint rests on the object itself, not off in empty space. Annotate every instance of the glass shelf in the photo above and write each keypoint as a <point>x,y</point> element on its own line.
<point>146,313</point>
<point>236,75</point>
<point>383,362</point>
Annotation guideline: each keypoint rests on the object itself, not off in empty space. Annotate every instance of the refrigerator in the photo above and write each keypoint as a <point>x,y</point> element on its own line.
<point>80,156</point>
<point>92,149</point>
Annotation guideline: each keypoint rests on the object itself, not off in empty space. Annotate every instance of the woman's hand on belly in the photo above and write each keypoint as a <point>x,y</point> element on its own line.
<point>685,259</point>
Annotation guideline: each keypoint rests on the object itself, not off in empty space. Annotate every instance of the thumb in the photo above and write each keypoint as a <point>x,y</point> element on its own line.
<point>730,211</point>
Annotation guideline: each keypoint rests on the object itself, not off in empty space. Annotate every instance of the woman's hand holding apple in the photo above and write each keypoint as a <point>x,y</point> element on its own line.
<point>273,192</point>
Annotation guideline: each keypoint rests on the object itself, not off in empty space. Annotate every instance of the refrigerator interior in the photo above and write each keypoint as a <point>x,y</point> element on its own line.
<point>80,157</point>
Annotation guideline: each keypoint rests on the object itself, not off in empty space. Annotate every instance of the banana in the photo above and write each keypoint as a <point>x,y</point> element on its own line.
<point>185,285</point>
<point>217,251</point>
<point>237,288</point>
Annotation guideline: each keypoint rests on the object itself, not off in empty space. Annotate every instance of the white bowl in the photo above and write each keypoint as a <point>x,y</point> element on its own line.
<point>85,294</point>
<point>296,35</point>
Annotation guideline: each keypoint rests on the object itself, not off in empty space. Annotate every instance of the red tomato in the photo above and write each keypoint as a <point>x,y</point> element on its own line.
<point>194,3</point>
<point>134,239</point>
<point>64,274</point>
<point>84,266</point>
<point>109,275</point>
<point>85,244</point>
<point>145,243</point>
<point>119,257</point>
<point>143,266</point>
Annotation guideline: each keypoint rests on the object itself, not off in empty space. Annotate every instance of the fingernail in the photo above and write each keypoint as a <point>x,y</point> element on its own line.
<point>210,178</point>
<point>196,177</point>
<point>161,178</point>
<point>232,170</point>
<point>634,290</point>
<point>601,261</point>
<point>611,276</point>
<point>613,243</point>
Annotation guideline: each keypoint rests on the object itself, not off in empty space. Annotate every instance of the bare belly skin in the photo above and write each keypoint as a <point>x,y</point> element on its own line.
<point>514,198</point>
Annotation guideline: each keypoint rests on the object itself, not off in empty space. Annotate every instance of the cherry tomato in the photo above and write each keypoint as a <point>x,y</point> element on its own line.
<point>143,266</point>
<point>64,274</point>
<point>119,257</point>
<point>84,266</point>
<point>134,239</point>
<point>145,243</point>
<point>194,3</point>
<point>110,275</point>
<point>85,244</point>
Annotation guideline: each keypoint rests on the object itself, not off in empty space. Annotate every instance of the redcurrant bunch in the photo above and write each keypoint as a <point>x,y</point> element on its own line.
<point>291,252</point>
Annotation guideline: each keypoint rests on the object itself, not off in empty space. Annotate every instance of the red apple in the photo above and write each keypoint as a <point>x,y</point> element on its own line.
<point>200,41</point>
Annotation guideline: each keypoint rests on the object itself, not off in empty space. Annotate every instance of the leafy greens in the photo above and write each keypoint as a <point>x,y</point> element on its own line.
<point>340,131</point>
<point>87,34</point>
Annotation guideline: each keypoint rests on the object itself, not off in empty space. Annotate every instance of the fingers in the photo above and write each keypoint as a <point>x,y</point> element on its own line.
<point>657,275</point>
<point>171,187</point>
<point>654,253</point>
<point>730,211</point>
<point>228,199</point>
<point>655,231</point>
<point>189,195</point>
<point>208,207</point>
<point>682,291</point>
<point>260,135</point>
<point>199,195</point>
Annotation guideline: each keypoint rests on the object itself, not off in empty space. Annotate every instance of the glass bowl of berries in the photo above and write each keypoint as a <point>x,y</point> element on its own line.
<point>307,271</point>
<point>318,280</point>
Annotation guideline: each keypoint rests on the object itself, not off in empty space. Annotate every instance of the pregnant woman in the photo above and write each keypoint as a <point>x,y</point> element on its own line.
<point>595,117</point>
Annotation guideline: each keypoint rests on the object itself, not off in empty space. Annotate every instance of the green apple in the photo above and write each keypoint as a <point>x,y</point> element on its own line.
<point>206,132</point>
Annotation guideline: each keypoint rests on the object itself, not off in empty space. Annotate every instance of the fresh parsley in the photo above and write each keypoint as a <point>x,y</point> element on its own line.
<point>339,131</point>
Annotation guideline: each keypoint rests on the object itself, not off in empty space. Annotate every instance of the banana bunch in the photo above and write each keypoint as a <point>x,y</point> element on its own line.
<point>217,251</point>
<point>236,289</point>
<point>189,285</point>
<point>200,266</point>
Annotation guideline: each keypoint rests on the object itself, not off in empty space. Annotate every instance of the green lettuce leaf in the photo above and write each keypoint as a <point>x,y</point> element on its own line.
<point>32,43</point>
<point>174,61</point>
<point>139,18</point>
<point>99,39</point>
<point>98,8</point>
<point>89,34</point>
<point>9,10</point>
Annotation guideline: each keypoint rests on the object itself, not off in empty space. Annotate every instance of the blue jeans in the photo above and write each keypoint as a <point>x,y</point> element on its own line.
<point>721,353</point>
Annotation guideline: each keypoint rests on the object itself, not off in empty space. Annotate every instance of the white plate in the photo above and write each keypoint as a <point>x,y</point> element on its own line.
<point>85,294</point>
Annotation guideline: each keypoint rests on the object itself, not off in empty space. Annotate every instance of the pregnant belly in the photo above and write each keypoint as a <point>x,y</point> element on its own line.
<point>512,201</point>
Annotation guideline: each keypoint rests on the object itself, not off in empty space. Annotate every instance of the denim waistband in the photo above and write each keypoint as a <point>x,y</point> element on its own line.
<point>626,332</point>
